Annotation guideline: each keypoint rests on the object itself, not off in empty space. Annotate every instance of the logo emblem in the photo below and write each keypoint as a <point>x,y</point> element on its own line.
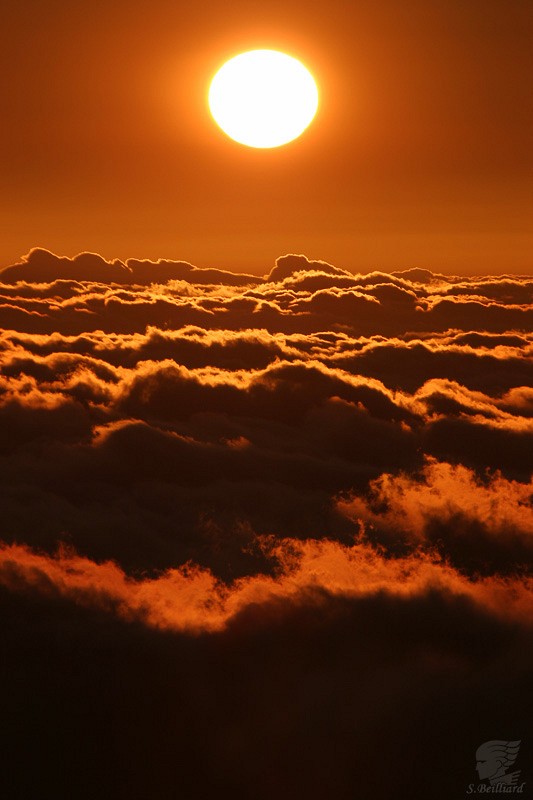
<point>494,759</point>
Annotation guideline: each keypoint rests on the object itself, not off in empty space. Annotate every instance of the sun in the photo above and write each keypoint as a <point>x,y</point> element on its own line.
<point>263,98</point>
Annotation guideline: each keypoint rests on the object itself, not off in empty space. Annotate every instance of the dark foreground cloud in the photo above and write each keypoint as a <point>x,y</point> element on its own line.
<point>303,693</point>
<point>262,537</point>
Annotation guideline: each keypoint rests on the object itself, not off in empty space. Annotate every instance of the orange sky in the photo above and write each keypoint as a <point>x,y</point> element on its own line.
<point>420,154</point>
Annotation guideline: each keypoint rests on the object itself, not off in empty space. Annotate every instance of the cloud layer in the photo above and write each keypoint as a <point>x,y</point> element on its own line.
<point>307,494</point>
<point>46,293</point>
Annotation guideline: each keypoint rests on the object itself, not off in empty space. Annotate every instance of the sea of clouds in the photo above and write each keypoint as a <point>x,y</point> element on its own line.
<point>268,536</point>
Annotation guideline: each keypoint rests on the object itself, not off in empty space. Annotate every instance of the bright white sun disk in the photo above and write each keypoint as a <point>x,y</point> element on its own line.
<point>263,98</point>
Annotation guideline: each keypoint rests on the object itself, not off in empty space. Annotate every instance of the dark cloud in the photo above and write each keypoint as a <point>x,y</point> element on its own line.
<point>292,264</point>
<point>483,445</point>
<point>46,293</point>
<point>262,536</point>
<point>471,362</point>
<point>148,272</point>
<point>305,695</point>
<point>41,266</point>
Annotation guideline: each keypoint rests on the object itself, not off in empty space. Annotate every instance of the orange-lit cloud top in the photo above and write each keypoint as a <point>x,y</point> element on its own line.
<point>190,599</point>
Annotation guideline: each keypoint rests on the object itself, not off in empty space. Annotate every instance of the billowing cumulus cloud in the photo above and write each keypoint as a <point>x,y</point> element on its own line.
<point>45,293</point>
<point>267,535</point>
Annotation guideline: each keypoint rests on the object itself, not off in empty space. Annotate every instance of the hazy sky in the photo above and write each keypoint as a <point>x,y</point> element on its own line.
<point>420,154</point>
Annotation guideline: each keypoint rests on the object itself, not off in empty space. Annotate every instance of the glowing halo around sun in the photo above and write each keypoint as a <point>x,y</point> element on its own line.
<point>263,98</point>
